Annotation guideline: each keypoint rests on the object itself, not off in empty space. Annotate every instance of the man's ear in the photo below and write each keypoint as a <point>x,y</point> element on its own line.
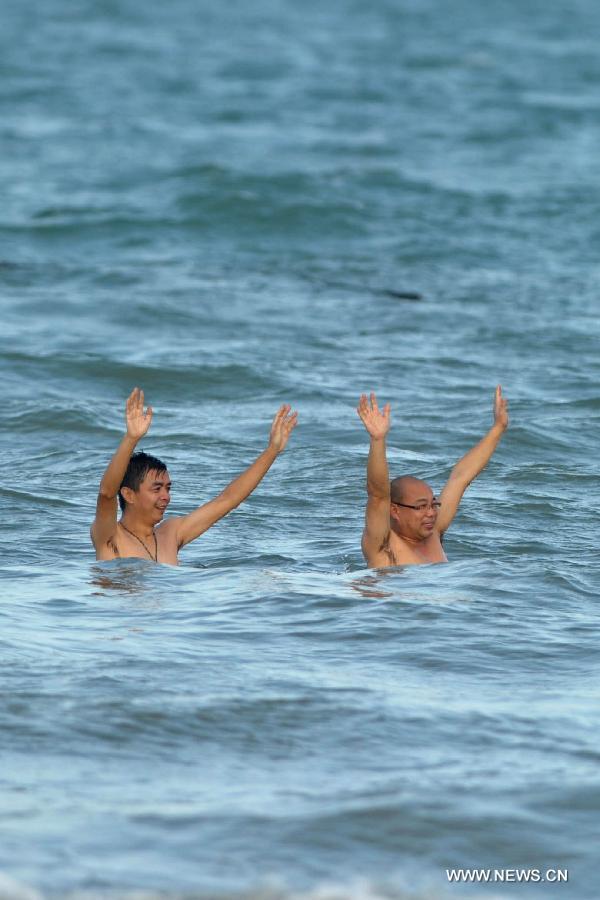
<point>128,494</point>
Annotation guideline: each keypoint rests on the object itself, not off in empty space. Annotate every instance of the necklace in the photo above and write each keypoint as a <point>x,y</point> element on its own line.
<point>143,543</point>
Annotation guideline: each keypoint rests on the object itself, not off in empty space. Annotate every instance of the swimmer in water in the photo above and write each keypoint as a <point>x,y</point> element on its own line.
<point>143,486</point>
<point>405,522</point>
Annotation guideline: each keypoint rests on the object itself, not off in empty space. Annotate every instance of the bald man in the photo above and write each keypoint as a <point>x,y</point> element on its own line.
<point>405,522</point>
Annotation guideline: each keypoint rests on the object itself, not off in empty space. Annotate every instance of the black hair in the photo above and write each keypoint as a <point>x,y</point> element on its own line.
<point>139,465</point>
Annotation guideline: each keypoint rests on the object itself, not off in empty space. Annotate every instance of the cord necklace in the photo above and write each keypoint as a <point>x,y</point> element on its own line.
<point>143,543</point>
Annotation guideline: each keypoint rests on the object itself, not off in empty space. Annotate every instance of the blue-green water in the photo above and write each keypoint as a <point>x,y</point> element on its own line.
<point>223,205</point>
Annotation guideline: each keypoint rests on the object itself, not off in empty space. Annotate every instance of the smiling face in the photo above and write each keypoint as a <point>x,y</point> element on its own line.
<point>150,501</point>
<point>414,525</point>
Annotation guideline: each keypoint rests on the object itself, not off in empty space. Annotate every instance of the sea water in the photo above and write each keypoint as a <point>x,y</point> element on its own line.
<point>235,206</point>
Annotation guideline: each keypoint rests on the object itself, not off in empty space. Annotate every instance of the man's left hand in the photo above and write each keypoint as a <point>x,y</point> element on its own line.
<point>500,409</point>
<point>283,424</point>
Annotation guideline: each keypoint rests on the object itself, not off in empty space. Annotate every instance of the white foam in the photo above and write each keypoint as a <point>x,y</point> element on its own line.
<point>14,890</point>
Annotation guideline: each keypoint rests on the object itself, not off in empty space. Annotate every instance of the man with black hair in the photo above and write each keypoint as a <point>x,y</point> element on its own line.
<point>405,522</point>
<point>143,486</point>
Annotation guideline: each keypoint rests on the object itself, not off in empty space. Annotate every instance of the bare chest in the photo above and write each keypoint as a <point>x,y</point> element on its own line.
<point>158,548</point>
<point>399,552</point>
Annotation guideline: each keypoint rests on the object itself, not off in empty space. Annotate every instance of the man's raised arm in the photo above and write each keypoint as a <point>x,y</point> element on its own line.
<point>138,423</point>
<point>196,523</point>
<point>377,516</point>
<point>471,464</point>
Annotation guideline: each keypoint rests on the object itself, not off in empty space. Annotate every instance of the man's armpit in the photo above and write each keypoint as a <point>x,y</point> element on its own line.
<point>386,550</point>
<point>373,545</point>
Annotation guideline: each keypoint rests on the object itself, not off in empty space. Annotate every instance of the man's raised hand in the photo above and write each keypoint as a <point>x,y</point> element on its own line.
<point>283,424</point>
<point>138,421</point>
<point>376,421</point>
<point>500,409</point>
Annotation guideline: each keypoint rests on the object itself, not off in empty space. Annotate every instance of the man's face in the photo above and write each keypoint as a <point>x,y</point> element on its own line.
<point>415,524</point>
<point>153,496</point>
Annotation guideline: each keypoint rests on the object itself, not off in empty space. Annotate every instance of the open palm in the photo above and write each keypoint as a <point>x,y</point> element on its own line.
<point>283,424</point>
<point>138,421</point>
<point>375,420</point>
<point>500,408</point>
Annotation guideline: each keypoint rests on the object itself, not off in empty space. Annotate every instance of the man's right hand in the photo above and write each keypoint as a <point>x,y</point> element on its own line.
<point>376,421</point>
<point>138,421</point>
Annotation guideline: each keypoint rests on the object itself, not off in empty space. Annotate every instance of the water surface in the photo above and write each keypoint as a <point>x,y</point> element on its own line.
<point>239,207</point>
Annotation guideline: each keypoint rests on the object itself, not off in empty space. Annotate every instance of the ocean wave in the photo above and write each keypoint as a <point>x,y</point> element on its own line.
<point>274,889</point>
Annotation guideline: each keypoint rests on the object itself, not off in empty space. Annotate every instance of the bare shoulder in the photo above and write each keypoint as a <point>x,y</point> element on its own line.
<point>168,527</point>
<point>168,530</point>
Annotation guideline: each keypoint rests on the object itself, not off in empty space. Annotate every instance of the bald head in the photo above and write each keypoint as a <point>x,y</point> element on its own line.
<point>407,486</point>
